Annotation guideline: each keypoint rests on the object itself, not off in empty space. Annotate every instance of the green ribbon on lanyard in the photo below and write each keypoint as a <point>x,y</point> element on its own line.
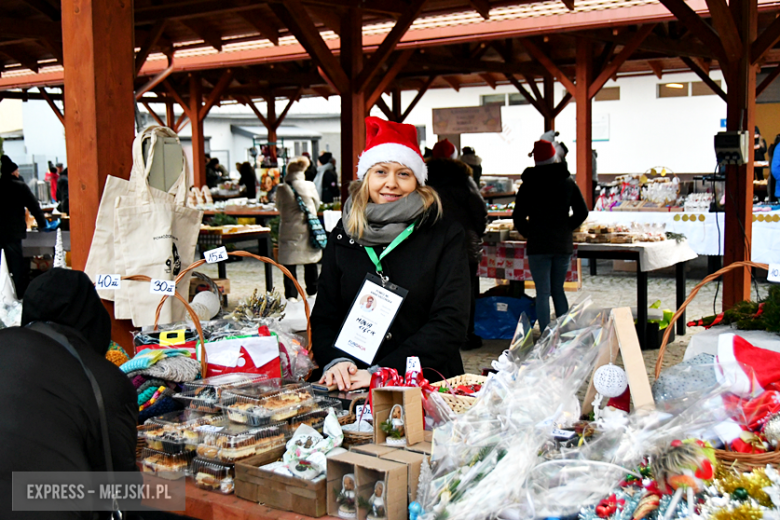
<point>378,259</point>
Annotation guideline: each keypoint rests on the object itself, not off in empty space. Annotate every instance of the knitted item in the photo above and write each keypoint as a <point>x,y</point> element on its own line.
<point>137,381</point>
<point>177,369</point>
<point>116,357</point>
<point>159,394</point>
<point>143,360</point>
<point>151,383</point>
<point>146,394</point>
<point>162,406</point>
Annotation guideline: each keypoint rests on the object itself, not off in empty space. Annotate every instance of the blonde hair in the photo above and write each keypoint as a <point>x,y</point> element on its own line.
<point>357,222</point>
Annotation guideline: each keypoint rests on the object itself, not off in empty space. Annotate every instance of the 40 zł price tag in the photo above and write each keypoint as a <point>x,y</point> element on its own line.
<point>108,281</point>
<point>162,287</point>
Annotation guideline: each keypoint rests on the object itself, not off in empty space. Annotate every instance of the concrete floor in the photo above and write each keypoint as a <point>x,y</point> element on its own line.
<point>609,289</point>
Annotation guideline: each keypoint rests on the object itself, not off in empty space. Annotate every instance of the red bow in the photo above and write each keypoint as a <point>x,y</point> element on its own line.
<point>390,377</point>
<point>609,506</point>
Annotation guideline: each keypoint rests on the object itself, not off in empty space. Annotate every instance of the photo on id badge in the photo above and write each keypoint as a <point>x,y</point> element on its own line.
<point>368,303</point>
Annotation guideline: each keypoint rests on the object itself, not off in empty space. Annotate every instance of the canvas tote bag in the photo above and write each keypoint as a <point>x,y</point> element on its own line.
<point>101,253</point>
<point>153,237</point>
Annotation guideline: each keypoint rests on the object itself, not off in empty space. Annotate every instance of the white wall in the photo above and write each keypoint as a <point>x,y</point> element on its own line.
<point>11,115</point>
<point>44,136</point>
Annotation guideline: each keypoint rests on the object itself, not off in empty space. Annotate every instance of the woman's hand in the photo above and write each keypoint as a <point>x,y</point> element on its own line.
<point>362,379</point>
<point>340,375</point>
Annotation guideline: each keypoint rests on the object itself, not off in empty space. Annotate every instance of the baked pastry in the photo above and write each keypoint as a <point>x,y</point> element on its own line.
<point>209,452</point>
<point>206,481</point>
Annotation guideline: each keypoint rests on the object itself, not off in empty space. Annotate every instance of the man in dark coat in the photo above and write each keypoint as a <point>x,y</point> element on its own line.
<point>50,418</point>
<point>326,179</point>
<point>15,196</point>
<point>475,161</point>
<point>63,193</point>
<point>462,201</point>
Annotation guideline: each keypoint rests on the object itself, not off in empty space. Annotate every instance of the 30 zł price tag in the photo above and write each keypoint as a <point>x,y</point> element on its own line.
<point>215,255</point>
<point>162,287</point>
<point>109,281</point>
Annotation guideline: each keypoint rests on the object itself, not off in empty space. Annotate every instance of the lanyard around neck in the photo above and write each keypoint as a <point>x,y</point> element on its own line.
<point>377,260</point>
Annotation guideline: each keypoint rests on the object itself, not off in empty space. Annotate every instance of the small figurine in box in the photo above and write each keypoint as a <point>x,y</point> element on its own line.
<point>394,426</point>
<point>346,497</point>
<point>376,504</point>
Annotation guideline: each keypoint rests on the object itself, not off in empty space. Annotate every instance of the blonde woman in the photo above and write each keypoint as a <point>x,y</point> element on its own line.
<point>430,262</point>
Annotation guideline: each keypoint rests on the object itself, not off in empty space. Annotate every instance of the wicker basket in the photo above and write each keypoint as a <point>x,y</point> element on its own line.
<point>460,403</point>
<point>355,438</point>
<point>744,461</point>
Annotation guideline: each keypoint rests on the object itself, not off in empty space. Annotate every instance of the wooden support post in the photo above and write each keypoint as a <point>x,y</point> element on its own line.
<point>99,69</point>
<point>739,179</point>
<point>417,97</point>
<point>271,126</point>
<point>170,118</point>
<point>549,101</point>
<point>198,143</point>
<point>353,103</point>
<point>584,119</point>
<point>396,97</point>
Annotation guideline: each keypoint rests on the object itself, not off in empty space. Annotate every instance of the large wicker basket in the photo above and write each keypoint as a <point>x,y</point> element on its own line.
<point>743,461</point>
<point>459,403</point>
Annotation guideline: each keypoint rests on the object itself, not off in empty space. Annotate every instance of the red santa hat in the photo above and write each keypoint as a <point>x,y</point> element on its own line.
<point>622,402</point>
<point>544,152</point>
<point>387,141</point>
<point>748,370</point>
<point>445,150</point>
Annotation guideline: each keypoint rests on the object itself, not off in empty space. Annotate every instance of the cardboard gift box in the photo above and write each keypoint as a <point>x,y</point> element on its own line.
<point>372,450</point>
<point>305,497</point>
<point>383,400</point>
<point>413,463</point>
<point>368,471</point>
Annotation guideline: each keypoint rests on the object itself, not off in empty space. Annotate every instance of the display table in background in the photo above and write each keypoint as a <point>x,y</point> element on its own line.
<point>508,261</point>
<point>263,238</point>
<point>39,243</point>
<point>706,341</point>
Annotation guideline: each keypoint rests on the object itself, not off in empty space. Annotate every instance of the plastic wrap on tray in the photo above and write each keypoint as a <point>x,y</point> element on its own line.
<point>213,476</point>
<point>236,442</point>
<point>203,395</point>
<point>178,431</point>
<point>166,465</point>
<point>255,406</point>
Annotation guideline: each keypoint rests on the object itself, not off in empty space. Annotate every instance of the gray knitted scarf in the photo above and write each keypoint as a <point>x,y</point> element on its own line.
<point>386,221</point>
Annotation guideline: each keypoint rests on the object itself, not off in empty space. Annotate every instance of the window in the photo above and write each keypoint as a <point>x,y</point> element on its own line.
<point>667,90</point>
<point>421,133</point>
<point>493,99</point>
<point>699,88</point>
<point>517,99</point>
<point>608,94</point>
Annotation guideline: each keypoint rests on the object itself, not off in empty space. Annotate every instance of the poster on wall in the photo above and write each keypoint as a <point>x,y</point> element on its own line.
<point>600,128</point>
<point>467,120</point>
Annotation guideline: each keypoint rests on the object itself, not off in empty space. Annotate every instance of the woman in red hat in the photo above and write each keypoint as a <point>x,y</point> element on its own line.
<point>542,215</point>
<point>393,230</point>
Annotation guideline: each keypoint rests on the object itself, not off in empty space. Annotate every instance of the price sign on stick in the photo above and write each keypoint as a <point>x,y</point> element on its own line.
<point>162,287</point>
<point>109,281</point>
<point>216,255</point>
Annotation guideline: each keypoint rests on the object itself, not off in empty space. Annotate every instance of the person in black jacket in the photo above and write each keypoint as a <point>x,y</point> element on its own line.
<point>63,192</point>
<point>326,179</point>
<point>50,414</point>
<point>431,263</point>
<point>248,179</point>
<point>542,216</point>
<point>470,157</point>
<point>15,196</point>
<point>462,201</point>
<point>311,169</point>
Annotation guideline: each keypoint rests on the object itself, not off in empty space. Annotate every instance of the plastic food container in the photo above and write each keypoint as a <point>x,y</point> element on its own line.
<point>166,465</point>
<point>178,431</point>
<point>257,406</point>
<point>236,442</point>
<point>213,476</point>
<point>203,395</point>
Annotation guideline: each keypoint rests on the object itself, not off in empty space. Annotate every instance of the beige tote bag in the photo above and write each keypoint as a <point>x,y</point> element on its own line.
<point>101,258</point>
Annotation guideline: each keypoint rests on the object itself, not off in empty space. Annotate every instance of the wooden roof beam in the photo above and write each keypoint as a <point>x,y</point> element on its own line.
<point>388,77</point>
<point>297,19</point>
<point>768,80</point>
<point>216,94</point>
<point>382,105</point>
<point>765,41</point>
<point>17,53</point>
<point>204,31</point>
<point>371,67</point>
<point>569,4</point>
<point>55,48</point>
<point>329,18</point>
<point>322,92</point>
<point>658,68</point>
<point>257,112</point>
<point>726,27</point>
<point>482,7</point>
<point>263,25</point>
<point>562,104</point>
<point>152,37</point>
<point>45,8</point>
<point>551,67</point>
<point>489,79</point>
<point>453,82</point>
<point>156,80</point>
<point>534,88</point>
<point>611,69</point>
<point>540,107</point>
<point>704,77</point>
<point>23,28</point>
<point>701,29</point>
<point>417,98</point>
<point>175,95</point>
<point>290,101</point>
<point>153,114</point>
<point>50,102</point>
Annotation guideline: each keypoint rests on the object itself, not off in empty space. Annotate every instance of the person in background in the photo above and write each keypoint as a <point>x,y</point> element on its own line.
<point>326,180</point>
<point>294,235</point>
<point>212,174</point>
<point>773,184</point>
<point>461,201</point>
<point>393,205</point>
<point>63,193</point>
<point>474,161</point>
<point>15,197</point>
<point>541,215</point>
<point>248,179</point>
<point>54,424</point>
<point>311,170</point>
<point>595,175</point>
<point>52,176</point>
<point>759,154</point>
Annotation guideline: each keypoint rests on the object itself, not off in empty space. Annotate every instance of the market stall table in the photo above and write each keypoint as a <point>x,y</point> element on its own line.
<point>505,195</point>
<point>39,243</point>
<point>263,237</point>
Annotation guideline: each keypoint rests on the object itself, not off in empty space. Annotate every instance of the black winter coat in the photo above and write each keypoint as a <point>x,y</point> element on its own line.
<point>542,209</point>
<point>15,196</point>
<point>431,324</point>
<point>63,194</point>
<point>50,418</point>
<point>461,201</point>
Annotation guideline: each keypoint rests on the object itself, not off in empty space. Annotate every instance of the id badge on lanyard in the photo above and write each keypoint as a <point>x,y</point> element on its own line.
<point>374,309</point>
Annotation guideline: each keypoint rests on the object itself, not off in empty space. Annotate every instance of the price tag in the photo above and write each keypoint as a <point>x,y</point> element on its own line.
<point>109,281</point>
<point>363,412</point>
<point>162,287</point>
<point>215,255</point>
<point>563,434</point>
<point>774,273</point>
